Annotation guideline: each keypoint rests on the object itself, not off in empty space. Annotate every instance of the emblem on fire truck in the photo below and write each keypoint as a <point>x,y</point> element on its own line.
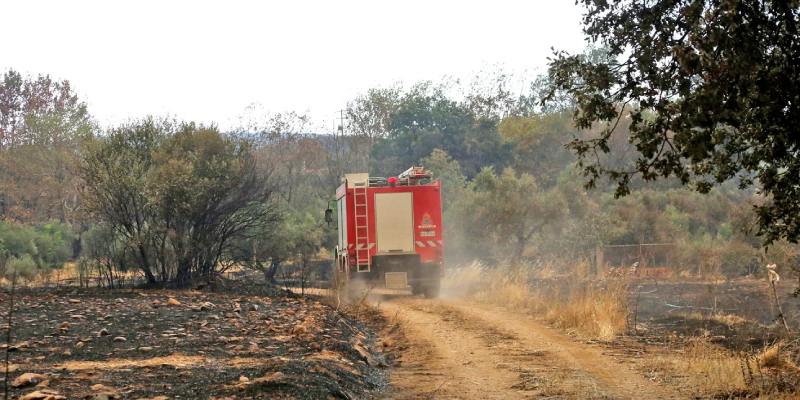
<point>426,222</point>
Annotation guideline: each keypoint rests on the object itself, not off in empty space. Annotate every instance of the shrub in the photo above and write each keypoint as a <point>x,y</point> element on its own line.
<point>21,268</point>
<point>737,258</point>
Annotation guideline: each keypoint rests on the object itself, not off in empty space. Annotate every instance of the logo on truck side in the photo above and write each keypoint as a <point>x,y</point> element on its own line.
<point>426,222</point>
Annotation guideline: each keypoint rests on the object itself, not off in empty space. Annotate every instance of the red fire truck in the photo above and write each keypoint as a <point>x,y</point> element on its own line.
<point>390,231</point>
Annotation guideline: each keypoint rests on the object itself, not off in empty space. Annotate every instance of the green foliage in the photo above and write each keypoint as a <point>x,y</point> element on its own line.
<point>24,268</point>
<point>712,94</point>
<point>49,245</point>
<point>538,144</point>
<point>180,200</point>
<point>510,209</point>
<point>18,239</point>
<point>177,195</point>
<point>43,124</point>
<point>448,171</point>
<point>427,121</point>
<point>54,244</point>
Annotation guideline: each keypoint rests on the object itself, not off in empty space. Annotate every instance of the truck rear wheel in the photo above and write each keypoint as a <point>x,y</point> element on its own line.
<point>416,289</point>
<point>431,292</point>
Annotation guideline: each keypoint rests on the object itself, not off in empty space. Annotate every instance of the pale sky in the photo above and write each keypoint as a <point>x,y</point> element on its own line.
<point>206,61</point>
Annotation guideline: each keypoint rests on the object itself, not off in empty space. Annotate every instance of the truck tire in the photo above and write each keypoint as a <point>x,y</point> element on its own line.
<point>416,289</point>
<point>431,292</point>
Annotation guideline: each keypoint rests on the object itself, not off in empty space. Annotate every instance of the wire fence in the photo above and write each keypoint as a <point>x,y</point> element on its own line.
<point>647,259</point>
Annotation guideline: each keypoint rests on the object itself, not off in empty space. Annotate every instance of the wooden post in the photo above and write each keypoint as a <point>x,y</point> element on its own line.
<point>641,264</point>
<point>599,262</point>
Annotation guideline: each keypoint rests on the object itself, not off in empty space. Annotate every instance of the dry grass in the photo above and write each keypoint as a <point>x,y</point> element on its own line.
<point>721,318</point>
<point>591,309</point>
<point>594,310</point>
<point>776,356</point>
<point>710,370</point>
<point>704,370</point>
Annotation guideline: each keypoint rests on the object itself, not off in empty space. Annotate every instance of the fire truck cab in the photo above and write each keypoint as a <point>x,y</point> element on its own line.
<point>390,231</point>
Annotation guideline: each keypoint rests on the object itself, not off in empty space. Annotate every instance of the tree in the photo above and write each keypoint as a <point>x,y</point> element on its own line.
<point>710,90</point>
<point>108,252</point>
<point>538,144</point>
<point>448,171</point>
<point>512,209</point>
<point>177,195</point>
<point>369,117</point>
<point>42,125</point>
<point>427,119</point>
<point>4,255</point>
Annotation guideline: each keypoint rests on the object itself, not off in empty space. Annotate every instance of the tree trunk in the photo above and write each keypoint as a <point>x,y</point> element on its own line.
<point>182,277</point>
<point>269,274</point>
<point>519,250</point>
<point>144,263</point>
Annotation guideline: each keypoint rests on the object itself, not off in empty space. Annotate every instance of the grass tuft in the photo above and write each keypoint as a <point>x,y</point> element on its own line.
<point>592,309</point>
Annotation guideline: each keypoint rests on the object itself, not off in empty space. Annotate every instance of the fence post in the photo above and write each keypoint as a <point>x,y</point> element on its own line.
<point>641,258</point>
<point>599,266</point>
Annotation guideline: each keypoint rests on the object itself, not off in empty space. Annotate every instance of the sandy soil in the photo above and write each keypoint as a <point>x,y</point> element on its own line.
<point>458,350</point>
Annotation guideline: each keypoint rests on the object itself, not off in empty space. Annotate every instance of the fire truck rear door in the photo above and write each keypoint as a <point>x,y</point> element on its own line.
<point>394,220</point>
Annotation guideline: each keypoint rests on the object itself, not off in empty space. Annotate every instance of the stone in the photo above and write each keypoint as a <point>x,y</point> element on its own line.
<point>11,368</point>
<point>67,353</point>
<point>145,348</point>
<point>39,396</point>
<point>28,379</point>
<point>103,332</point>
<point>269,378</point>
<point>173,302</point>
<point>120,339</point>
<point>299,330</point>
<point>79,345</point>
<point>222,339</point>
<point>253,307</point>
<point>121,301</point>
<point>101,388</point>
<point>74,301</point>
<point>244,379</point>
<point>64,326</point>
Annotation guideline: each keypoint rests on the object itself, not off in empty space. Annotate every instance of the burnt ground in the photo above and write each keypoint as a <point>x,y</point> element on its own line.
<point>739,314</point>
<point>211,346</point>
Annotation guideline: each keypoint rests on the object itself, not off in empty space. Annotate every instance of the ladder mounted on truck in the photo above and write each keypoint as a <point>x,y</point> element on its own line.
<point>361,225</point>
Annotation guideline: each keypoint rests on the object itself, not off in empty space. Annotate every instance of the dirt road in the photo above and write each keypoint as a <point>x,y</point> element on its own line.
<point>466,351</point>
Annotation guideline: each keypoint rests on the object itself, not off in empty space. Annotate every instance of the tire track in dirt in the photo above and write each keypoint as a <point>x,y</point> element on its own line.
<point>444,362</point>
<point>468,351</point>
